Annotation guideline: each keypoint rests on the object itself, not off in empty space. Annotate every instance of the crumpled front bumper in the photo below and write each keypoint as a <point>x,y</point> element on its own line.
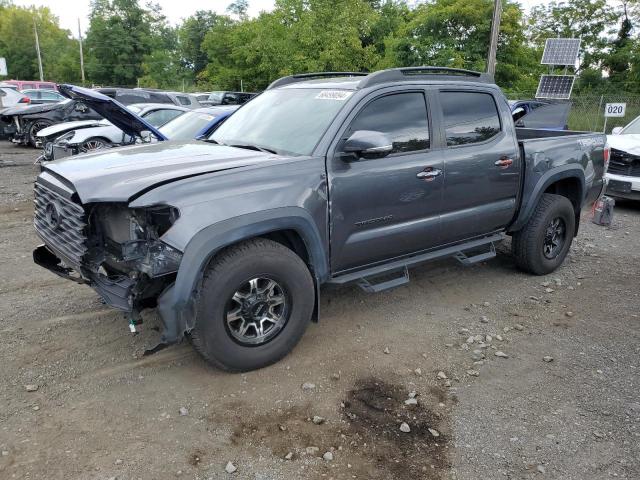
<point>116,292</point>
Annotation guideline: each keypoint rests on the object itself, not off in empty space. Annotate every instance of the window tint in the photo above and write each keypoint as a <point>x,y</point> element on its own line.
<point>158,118</point>
<point>183,100</point>
<point>402,116</point>
<point>469,117</point>
<point>50,96</point>
<point>230,99</point>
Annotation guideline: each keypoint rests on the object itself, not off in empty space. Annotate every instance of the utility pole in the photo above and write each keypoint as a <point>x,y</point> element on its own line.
<point>81,55</point>
<point>38,50</point>
<point>495,31</point>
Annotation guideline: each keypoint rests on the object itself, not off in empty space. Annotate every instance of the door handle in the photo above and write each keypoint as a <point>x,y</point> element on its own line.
<point>504,162</point>
<point>429,174</point>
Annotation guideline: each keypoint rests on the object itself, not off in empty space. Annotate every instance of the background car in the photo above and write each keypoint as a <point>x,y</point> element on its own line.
<point>70,138</point>
<point>40,96</point>
<point>11,98</point>
<point>623,173</point>
<point>29,84</point>
<point>197,123</point>
<point>24,124</point>
<point>227,98</point>
<point>540,114</point>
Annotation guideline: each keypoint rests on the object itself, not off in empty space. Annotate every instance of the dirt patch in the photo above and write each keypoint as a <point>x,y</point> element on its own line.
<point>366,436</point>
<point>376,410</point>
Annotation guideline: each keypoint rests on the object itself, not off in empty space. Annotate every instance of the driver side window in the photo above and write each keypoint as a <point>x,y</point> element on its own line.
<point>401,116</point>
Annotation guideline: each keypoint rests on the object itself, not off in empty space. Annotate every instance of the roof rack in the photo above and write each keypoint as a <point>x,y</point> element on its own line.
<point>300,77</point>
<point>444,73</point>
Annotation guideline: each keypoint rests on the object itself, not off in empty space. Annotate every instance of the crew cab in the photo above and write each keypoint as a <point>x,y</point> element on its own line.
<point>323,178</point>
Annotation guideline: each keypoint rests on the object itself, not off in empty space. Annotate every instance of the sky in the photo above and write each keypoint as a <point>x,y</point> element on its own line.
<point>68,11</point>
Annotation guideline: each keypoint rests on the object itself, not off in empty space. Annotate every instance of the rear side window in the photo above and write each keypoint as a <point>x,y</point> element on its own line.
<point>469,117</point>
<point>183,100</point>
<point>401,116</point>
<point>157,118</point>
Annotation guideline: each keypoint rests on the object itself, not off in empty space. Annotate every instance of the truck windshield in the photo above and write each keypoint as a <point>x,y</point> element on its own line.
<point>288,121</point>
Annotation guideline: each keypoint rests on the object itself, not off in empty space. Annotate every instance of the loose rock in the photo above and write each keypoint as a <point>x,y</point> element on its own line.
<point>183,411</point>
<point>386,350</point>
<point>434,432</point>
<point>318,420</point>
<point>441,376</point>
<point>404,427</point>
<point>411,401</point>
<point>288,456</point>
<point>31,388</point>
<point>547,358</point>
<point>418,372</point>
<point>230,468</point>
<point>328,456</point>
<point>518,327</point>
<point>307,386</point>
<point>501,354</point>
<point>312,450</point>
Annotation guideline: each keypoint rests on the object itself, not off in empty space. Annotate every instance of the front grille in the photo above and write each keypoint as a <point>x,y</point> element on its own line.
<point>61,223</point>
<point>623,163</point>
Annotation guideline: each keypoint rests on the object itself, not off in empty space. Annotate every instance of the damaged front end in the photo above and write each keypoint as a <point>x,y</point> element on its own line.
<point>115,249</point>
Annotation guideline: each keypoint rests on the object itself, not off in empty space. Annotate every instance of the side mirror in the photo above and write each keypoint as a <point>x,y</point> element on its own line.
<point>617,131</point>
<point>368,144</point>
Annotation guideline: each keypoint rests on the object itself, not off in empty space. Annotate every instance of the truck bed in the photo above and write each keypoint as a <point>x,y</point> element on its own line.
<point>546,152</point>
<point>532,133</point>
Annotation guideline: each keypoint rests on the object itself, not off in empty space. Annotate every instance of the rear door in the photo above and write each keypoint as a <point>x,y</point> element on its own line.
<point>482,164</point>
<point>384,208</point>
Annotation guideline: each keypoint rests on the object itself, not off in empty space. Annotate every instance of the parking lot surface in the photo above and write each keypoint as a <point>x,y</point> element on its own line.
<point>513,376</point>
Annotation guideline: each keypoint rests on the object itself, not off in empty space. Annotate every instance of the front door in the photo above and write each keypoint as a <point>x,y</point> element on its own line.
<point>386,207</point>
<point>482,165</point>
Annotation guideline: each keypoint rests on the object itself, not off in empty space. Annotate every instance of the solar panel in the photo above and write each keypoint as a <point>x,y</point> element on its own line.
<point>555,86</point>
<point>560,51</point>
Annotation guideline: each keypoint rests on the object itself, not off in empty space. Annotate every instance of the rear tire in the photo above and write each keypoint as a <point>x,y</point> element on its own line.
<point>254,305</point>
<point>542,244</point>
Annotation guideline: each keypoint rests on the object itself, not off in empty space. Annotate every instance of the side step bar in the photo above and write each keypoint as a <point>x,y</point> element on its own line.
<point>366,279</point>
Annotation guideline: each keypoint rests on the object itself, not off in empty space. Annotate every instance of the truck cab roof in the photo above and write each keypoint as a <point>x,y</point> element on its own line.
<point>360,80</point>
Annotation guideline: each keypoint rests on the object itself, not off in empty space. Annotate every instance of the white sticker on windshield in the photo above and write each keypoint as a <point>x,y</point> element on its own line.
<point>339,95</point>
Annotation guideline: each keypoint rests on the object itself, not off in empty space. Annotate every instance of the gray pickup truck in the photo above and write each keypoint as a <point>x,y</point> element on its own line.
<point>323,178</point>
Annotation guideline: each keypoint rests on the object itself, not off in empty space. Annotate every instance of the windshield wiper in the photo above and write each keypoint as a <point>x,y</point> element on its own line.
<point>254,147</point>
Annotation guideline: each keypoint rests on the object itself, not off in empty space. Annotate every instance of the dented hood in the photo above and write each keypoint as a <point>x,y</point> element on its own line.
<point>626,142</point>
<point>122,174</point>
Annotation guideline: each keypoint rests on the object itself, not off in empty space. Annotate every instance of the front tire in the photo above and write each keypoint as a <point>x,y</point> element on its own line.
<point>543,243</point>
<point>254,305</point>
<point>35,127</point>
<point>94,143</point>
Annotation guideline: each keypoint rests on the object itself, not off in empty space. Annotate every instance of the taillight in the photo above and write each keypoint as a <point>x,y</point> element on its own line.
<point>24,100</point>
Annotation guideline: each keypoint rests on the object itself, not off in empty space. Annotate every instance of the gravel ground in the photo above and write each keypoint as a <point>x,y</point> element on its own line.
<point>80,402</point>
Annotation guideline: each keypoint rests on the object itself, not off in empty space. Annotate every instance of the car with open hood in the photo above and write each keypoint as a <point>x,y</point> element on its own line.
<point>25,123</point>
<point>325,178</point>
<point>70,138</point>
<point>191,123</point>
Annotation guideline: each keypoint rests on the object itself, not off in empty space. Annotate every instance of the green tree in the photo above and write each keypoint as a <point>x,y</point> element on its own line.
<point>191,36</point>
<point>60,57</point>
<point>455,33</point>
<point>118,39</point>
<point>297,36</point>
